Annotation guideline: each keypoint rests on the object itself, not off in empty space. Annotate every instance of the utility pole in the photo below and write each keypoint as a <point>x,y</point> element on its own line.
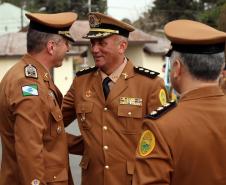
<point>89,6</point>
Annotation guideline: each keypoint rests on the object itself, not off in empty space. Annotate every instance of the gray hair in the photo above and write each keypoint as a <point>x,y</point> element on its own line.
<point>202,66</point>
<point>36,40</point>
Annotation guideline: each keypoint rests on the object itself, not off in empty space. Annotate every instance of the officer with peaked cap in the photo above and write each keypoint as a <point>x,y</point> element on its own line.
<point>110,115</point>
<point>186,144</point>
<point>34,142</point>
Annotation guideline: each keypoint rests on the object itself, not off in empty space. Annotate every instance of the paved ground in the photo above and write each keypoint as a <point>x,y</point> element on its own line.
<point>74,160</point>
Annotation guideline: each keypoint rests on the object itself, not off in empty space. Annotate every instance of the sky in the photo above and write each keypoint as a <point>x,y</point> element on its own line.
<point>130,9</point>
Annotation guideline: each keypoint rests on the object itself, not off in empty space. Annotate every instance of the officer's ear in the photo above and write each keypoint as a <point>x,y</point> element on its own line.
<point>50,47</point>
<point>122,46</point>
<point>177,68</point>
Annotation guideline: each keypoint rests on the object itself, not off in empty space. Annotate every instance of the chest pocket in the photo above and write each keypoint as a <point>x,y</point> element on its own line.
<point>56,123</point>
<point>131,117</point>
<point>130,111</point>
<point>84,111</point>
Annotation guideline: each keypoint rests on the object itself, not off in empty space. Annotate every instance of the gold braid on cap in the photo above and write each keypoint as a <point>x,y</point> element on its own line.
<point>104,30</point>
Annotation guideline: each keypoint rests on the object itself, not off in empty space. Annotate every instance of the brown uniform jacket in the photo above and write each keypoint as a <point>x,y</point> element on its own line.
<point>110,128</point>
<point>190,143</point>
<point>31,127</point>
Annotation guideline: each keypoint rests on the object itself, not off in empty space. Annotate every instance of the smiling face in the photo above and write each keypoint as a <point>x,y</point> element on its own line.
<point>108,52</point>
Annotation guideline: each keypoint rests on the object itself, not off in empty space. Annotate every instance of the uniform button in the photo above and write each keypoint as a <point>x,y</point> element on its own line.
<point>105,147</point>
<point>107,167</point>
<point>59,116</point>
<point>105,127</point>
<point>54,177</point>
<point>129,113</point>
<point>105,108</point>
<point>59,129</point>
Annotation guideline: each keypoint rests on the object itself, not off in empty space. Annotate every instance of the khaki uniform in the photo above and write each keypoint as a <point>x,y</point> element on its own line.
<point>110,128</point>
<point>32,131</point>
<point>188,144</point>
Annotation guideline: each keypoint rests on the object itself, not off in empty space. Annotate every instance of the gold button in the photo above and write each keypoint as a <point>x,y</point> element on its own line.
<point>105,108</point>
<point>59,116</point>
<point>54,177</point>
<point>105,127</point>
<point>59,129</point>
<point>107,167</point>
<point>129,113</point>
<point>105,147</point>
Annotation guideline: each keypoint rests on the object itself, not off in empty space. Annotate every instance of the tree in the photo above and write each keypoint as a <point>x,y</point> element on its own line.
<point>206,11</point>
<point>52,6</point>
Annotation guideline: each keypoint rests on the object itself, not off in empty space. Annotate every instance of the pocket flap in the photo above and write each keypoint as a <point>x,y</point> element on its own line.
<point>84,107</point>
<point>130,111</point>
<point>56,174</point>
<point>57,114</point>
<point>84,162</point>
<point>130,167</point>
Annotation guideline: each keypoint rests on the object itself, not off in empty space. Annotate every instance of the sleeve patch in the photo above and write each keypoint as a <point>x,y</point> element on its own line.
<point>146,143</point>
<point>30,71</point>
<point>162,97</point>
<point>30,90</point>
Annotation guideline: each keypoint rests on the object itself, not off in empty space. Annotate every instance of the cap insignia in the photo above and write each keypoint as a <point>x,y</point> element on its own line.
<point>94,21</point>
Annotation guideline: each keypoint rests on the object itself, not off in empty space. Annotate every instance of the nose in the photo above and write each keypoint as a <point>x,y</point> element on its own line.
<point>94,48</point>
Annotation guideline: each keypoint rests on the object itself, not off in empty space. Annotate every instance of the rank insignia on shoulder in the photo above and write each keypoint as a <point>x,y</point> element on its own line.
<point>86,70</point>
<point>146,72</point>
<point>30,71</point>
<point>161,110</point>
<point>30,90</point>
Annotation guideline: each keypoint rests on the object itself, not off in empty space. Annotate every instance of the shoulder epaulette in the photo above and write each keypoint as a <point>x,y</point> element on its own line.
<point>86,70</point>
<point>161,110</point>
<point>146,72</point>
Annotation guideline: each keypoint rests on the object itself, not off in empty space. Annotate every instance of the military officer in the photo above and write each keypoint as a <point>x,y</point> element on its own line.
<point>34,143</point>
<point>109,102</point>
<point>186,144</point>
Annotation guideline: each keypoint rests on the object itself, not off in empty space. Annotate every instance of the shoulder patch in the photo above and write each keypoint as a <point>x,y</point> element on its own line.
<point>146,143</point>
<point>146,72</point>
<point>30,71</point>
<point>30,90</point>
<point>87,70</point>
<point>161,110</point>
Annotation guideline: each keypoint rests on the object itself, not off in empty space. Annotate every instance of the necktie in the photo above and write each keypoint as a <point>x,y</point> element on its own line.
<point>106,88</point>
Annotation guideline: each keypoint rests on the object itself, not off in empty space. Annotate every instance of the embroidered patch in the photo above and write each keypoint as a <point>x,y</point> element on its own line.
<point>35,182</point>
<point>30,71</point>
<point>162,97</point>
<point>146,143</point>
<point>30,90</point>
<point>130,101</point>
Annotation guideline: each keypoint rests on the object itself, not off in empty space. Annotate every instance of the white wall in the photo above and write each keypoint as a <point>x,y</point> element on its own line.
<point>5,65</point>
<point>154,62</point>
<point>63,76</point>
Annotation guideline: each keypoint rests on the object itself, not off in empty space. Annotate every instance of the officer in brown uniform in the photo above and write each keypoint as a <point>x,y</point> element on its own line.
<point>110,115</point>
<point>34,143</point>
<point>186,144</point>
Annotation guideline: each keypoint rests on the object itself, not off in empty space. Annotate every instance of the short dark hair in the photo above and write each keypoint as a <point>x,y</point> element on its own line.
<point>202,66</point>
<point>36,40</point>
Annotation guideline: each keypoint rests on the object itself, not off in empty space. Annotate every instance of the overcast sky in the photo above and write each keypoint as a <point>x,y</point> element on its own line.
<point>130,9</point>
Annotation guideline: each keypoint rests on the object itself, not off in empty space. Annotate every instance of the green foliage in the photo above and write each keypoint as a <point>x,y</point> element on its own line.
<point>163,11</point>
